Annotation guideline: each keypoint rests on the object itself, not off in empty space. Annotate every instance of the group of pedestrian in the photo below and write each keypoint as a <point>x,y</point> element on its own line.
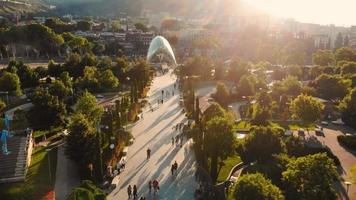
<point>174,167</point>
<point>178,140</point>
<point>132,192</point>
<point>155,185</point>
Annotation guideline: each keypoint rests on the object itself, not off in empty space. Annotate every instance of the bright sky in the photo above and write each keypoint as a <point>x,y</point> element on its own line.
<point>339,12</point>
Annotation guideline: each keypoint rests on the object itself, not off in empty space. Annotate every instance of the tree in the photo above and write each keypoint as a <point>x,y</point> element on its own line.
<point>295,70</point>
<point>84,26</point>
<point>218,129</point>
<point>87,190</point>
<point>311,177</point>
<point>222,94</point>
<point>88,106</point>
<point>115,25</point>
<point>238,68</point>
<point>246,86</point>
<point>54,69</point>
<point>80,129</point>
<point>2,105</point>
<point>348,68</point>
<point>332,87</point>
<point>345,54</point>
<point>11,83</point>
<point>256,186</point>
<point>214,110</point>
<point>107,80</point>
<point>48,109</point>
<point>261,144</point>
<point>66,79</point>
<point>353,174</point>
<point>89,81</point>
<point>294,53</point>
<point>348,107</point>
<point>339,41</point>
<point>142,27</point>
<point>306,108</point>
<point>323,58</point>
<point>260,114</point>
<point>57,88</point>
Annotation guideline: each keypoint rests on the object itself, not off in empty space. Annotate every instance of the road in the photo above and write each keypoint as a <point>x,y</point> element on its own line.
<point>155,131</point>
<point>346,156</point>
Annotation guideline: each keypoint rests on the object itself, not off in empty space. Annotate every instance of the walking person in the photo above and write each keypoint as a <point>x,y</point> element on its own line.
<point>155,186</point>
<point>149,186</point>
<point>177,140</point>
<point>148,153</point>
<point>172,169</point>
<point>175,166</point>
<point>172,140</point>
<point>134,192</point>
<point>129,191</point>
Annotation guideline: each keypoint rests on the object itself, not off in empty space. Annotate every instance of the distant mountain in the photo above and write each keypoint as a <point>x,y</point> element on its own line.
<point>189,8</point>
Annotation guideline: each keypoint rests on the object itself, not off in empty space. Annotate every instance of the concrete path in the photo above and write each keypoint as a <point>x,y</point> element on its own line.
<point>67,176</point>
<point>155,131</point>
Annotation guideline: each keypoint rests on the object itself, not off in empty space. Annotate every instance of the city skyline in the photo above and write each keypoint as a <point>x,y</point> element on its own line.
<point>309,12</point>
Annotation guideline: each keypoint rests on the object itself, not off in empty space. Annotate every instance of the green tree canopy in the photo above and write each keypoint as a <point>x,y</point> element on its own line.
<point>311,177</point>
<point>332,87</point>
<point>222,94</point>
<point>48,109</point>
<point>87,105</point>
<point>218,129</point>
<point>256,186</point>
<point>345,54</point>
<point>214,110</point>
<point>306,108</point>
<point>261,144</point>
<point>107,80</point>
<point>10,82</point>
<point>323,58</point>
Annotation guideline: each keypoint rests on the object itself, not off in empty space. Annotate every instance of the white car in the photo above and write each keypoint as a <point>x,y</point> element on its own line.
<point>324,123</point>
<point>338,122</point>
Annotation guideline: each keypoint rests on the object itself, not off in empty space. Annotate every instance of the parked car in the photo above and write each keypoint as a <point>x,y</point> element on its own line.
<point>319,132</point>
<point>301,132</point>
<point>325,123</point>
<point>338,122</point>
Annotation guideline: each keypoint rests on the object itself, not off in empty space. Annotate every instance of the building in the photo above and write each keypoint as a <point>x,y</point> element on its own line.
<point>160,51</point>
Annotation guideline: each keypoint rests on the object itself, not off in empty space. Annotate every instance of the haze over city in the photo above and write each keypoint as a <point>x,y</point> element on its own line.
<point>177,100</point>
<point>339,12</point>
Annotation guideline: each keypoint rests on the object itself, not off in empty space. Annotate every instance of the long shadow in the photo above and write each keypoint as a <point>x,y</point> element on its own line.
<point>128,179</point>
<point>178,182</point>
<point>157,175</point>
<point>153,150</point>
<point>160,118</point>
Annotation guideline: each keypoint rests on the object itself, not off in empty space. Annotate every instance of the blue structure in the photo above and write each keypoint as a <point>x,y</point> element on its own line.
<point>4,135</point>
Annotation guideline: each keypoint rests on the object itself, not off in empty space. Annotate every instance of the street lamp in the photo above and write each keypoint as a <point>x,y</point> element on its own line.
<point>347,183</point>
<point>49,165</point>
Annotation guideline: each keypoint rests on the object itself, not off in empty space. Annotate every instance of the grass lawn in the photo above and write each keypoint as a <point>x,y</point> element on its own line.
<point>37,184</point>
<point>48,132</point>
<point>242,126</point>
<point>295,126</point>
<point>246,126</point>
<point>229,163</point>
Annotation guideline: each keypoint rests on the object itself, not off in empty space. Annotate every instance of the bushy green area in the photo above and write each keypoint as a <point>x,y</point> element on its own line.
<point>227,166</point>
<point>348,141</point>
<point>87,191</point>
<point>37,183</point>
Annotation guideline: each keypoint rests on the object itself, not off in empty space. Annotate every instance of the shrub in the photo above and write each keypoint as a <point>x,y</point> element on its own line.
<point>348,141</point>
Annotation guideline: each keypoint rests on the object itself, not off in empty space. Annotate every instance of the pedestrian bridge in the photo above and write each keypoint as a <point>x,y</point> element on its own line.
<point>160,52</point>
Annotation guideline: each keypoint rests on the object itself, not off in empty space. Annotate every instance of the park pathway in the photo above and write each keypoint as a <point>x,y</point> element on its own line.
<point>67,177</point>
<point>155,131</point>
